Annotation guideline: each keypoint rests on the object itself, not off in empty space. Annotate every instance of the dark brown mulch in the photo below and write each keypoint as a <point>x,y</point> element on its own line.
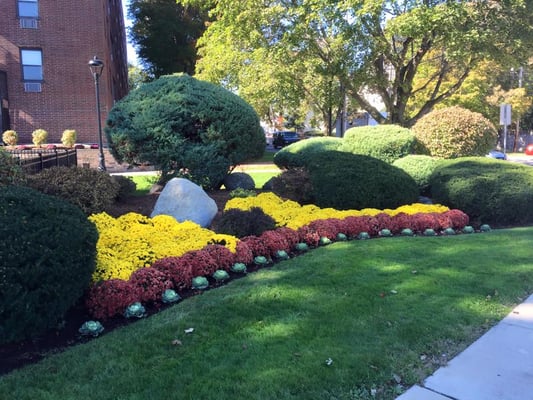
<point>17,355</point>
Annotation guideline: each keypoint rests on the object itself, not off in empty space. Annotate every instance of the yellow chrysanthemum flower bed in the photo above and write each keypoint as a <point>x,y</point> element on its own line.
<point>291,214</point>
<point>133,241</point>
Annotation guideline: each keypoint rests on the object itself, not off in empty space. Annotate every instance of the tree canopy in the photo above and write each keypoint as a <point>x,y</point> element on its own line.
<point>164,33</point>
<point>285,53</point>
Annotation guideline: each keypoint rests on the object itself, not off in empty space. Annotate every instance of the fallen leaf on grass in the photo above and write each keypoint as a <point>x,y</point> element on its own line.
<point>176,342</point>
<point>189,330</point>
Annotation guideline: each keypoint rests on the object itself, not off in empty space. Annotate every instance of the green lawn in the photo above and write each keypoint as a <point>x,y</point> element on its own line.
<point>383,311</point>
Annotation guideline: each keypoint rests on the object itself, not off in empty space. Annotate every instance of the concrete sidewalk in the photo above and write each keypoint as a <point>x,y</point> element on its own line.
<point>498,366</point>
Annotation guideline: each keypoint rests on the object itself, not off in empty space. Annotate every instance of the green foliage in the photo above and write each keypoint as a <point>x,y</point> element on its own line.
<point>185,127</point>
<point>384,142</point>
<point>68,138</point>
<point>241,223</point>
<point>164,33</point>
<point>39,137</point>
<point>300,153</point>
<point>89,189</point>
<point>420,168</point>
<point>455,132</point>
<point>351,181</point>
<point>126,186</point>
<point>47,258</point>
<point>10,171</point>
<point>239,180</point>
<point>294,184</point>
<point>489,191</point>
<point>10,137</point>
<point>242,193</point>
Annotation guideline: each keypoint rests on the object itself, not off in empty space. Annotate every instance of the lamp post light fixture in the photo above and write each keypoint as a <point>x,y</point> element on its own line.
<point>97,66</point>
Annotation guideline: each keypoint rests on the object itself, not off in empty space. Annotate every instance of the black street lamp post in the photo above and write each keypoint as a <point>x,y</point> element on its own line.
<point>96,66</point>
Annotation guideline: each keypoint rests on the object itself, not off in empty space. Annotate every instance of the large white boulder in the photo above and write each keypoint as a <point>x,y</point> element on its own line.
<point>185,201</point>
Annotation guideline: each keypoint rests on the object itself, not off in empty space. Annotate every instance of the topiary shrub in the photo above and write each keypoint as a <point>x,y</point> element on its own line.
<point>489,191</point>
<point>384,142</point>
<point>185,126</point>
<point>350,181</point>
<point>294,184</point>
<point>10,137</point>
<point>68,138</point>
<point>239,180</point>
<point>11,172</point>
<point>47,258</point>
<point>420,168</point>
<point>298,154</point>
<point>242,223</point>
<point>91,190</point>
<point>38,137</point>
<point>455,132</point>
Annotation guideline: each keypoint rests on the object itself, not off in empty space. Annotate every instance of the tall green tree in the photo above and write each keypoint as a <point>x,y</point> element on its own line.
<point>164,34</point>
<point>366,47</point>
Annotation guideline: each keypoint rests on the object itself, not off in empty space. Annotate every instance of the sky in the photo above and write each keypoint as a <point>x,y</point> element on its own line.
<point>132,57</point>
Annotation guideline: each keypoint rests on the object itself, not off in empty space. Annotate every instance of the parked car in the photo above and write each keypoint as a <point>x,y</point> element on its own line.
<point>499,155</point>
<point>284,138</point>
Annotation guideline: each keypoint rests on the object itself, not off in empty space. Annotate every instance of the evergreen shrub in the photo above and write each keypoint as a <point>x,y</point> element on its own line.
<point>455,132</point>
<point>10,171</point>
<point>384,142</point>
<point>420,168</point>
<point>89,189</point>
<point>350,181</point>
<point>490,191</point>
<point>294,184</point>
<point>47,258</point>
<point>298,154</point>
<point>186,128</point>
<point>242,223</point>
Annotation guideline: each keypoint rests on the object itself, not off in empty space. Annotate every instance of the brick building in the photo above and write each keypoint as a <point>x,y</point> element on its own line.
<point>45,81</point>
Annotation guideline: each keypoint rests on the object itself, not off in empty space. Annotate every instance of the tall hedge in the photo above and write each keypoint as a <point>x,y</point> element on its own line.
<point>47,258</point>
<point>455,132</point>
<point>351,181</point>
<point>384,142</point>
<point>489,191</point>
<point>420,168</point>
<point>185,127</point>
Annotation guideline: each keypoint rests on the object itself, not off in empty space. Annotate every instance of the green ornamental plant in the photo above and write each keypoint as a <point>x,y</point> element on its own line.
<point>39,137</point>
<point>10,137</point>
<point>220,275</point>
<point>239,268</point>
<point>200,283</point>
<point>91,328</point>
<point>170,296</point>
<point>135,310</point>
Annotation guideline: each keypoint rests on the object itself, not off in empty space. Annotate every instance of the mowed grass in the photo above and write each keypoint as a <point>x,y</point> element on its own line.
<point>386,313</point>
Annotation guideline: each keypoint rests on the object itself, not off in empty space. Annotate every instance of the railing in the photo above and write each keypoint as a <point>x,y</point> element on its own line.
<point>35,160</point>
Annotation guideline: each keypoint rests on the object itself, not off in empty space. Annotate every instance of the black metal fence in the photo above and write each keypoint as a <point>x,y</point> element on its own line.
<point>35,160</point>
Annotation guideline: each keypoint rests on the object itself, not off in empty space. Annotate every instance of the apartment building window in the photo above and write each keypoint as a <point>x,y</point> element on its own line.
<point>32,69</point>
<point>28,8</point>
<point>28,13</point>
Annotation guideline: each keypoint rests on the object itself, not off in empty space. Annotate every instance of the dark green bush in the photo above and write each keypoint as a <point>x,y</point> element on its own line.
<point>126,186</point>
<point>47,258</point>
<point>242,223</point>
<point>239,180</point>
<point>351,181</point>
<point>185,127</point>
<point>420,168</point>
<point>10,172</point>
<point>489,191</point>
<point>384,142</point>
<point>89,189</point>
<point>455,132</point>
<point>294,184</point>
<point>298,154</point>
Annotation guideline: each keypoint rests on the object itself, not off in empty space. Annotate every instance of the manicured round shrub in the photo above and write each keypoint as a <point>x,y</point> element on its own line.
<point>455,132</point>
<point>242,223</point>
<point>186,128</point>
<point>91,190</point>
<point>350,181</point>
<point>420,168</point>
<point>39,136</point>
<point>490,191</point>
<point>239,180</point>
<point>10,137</point>
<point>68,138</point>
<point>384,142</point>
<point>11,172</point>
<point>294,184</point>
<point>298,154</point>
<point>126,186</point>
<point>47,258</point>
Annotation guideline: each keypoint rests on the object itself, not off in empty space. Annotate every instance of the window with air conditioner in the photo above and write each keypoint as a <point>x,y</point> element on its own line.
<point>32,69</point>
